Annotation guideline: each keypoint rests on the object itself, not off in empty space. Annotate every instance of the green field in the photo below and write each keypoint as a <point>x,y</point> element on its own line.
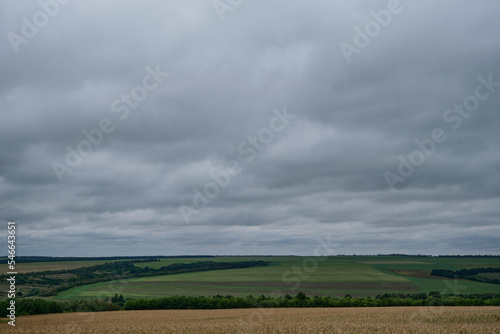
<point>336,276</point>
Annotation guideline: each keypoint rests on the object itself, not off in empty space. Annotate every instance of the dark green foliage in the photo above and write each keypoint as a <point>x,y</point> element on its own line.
<point>468,274</point>
<point>301,300</point>
<point>89,306</point>
<point>31,306</point>
<point>117,302</point>
<point>436,294</point>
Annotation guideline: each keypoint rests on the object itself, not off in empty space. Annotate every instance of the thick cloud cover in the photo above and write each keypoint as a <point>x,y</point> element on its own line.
<point>316,115</point>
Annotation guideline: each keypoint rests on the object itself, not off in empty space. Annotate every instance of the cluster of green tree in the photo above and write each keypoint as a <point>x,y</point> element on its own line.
<point>437,294</point>
<point>31,307</point>
<point>301,300</point>
<point>50,283</point>
<point>117,302</point>
<point>469,274</point>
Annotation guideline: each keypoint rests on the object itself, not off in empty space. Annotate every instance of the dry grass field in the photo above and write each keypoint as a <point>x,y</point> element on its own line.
<point>471,320</point>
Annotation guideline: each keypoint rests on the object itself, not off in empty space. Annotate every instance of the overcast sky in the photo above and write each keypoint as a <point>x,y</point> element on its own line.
<point>250,127</point>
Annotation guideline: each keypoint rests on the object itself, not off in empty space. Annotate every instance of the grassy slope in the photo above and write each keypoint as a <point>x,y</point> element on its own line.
<point>359,276</point>
<point>445,286</point>
<point>332,269</point>
<point>242,282</point>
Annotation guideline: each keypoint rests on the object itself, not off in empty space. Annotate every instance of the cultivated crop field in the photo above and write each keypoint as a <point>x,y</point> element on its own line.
<point>470,320</point>
<point>359,276</point>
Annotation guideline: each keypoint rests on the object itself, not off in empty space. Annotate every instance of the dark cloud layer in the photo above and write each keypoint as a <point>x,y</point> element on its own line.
<point>314,135</point>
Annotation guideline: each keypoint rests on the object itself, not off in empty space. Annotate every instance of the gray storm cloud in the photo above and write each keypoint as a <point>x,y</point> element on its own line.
<point>100,148</point>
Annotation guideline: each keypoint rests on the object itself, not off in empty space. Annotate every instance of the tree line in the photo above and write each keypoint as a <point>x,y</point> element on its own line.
<point>469,274</point>
<point>301,300</point>
<point>42,306</point>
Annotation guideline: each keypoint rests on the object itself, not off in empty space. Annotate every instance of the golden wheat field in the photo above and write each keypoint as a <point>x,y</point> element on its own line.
<point>473,320</point>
